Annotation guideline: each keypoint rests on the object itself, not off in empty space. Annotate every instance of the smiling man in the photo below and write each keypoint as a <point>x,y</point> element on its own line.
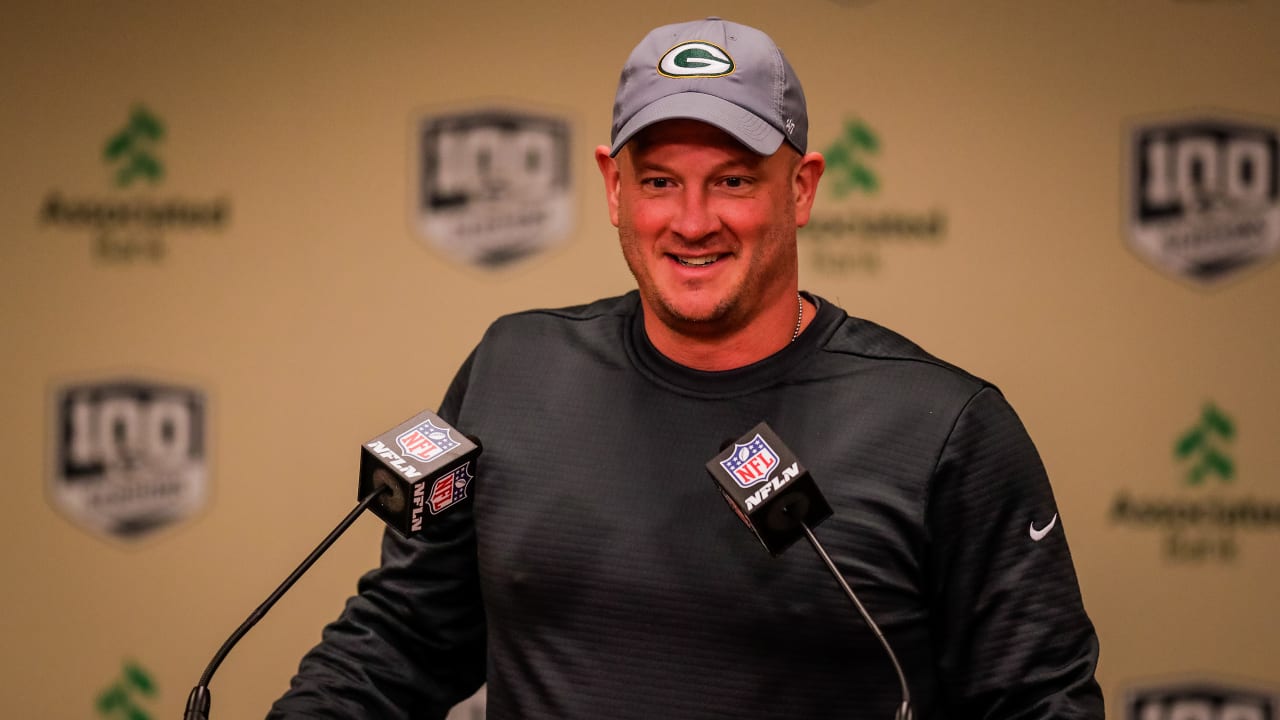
<point>598,574</point>
<point>708,228</point>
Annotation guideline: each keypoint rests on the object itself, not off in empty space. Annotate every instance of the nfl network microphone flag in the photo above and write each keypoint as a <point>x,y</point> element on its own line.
<point>768,488</point>
<point>427,465</point>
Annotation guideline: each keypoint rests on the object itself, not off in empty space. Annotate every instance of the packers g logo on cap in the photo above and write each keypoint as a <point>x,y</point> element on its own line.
<point>695,59</point>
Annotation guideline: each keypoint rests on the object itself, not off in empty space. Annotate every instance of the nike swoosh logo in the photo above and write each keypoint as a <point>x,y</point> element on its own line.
<point>1038,535</point>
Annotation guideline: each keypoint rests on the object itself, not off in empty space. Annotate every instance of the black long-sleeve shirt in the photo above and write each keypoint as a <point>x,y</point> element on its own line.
<point>599,574</point>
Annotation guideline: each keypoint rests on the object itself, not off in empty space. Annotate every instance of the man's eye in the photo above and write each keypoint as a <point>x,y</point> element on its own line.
<point>658,183</point>
<point>734,181</point>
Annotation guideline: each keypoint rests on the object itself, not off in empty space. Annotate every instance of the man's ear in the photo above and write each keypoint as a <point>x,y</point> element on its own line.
<point>612,179</point>
<point>808,173</point>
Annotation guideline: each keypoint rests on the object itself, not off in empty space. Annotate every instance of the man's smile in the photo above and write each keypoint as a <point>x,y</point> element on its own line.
<point>696,260</point>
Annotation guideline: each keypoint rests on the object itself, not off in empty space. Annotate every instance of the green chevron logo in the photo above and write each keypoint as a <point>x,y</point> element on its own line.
<point>846,160</point>
<point>1201,446</point>
<point>118,701</point>
<point>131,150</point>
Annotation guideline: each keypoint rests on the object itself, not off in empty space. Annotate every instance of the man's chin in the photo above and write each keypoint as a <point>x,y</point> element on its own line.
<point>694,314</point>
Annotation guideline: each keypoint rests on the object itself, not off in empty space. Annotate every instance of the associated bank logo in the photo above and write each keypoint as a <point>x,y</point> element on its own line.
<point>1199,701</point>
<point>847,161</point>
<point>1202,447</point>
<point>1205,201</point>
<point>128,456</point>
<point>124,698</point>
<point>493,186</point>
<point>1205,519</point>
<point>134,222</point>
<point>132,150</point>
<point>851,237</point>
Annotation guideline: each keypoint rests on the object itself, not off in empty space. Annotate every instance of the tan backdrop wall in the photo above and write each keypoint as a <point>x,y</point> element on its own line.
<point>314,315</point>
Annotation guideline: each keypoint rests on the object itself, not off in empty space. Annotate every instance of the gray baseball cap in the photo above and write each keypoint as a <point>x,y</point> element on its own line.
<point>722,73</point>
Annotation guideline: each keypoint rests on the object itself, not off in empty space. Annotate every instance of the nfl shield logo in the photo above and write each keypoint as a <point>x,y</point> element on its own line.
<point>426,442</point>
<point>751,463</point>
<point>451,488</point>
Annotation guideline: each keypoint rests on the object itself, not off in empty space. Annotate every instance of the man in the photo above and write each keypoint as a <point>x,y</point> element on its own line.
<point>598,574</point>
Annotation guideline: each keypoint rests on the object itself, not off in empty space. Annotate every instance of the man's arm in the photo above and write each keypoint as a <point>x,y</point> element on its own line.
<point>411,643</point>
<point>1011,635</point>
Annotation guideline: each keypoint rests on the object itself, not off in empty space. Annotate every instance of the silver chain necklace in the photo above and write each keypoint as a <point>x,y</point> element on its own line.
<point>799,317</point>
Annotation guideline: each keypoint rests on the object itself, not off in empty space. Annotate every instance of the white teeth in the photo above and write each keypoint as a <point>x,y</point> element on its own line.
<point>698,261</point>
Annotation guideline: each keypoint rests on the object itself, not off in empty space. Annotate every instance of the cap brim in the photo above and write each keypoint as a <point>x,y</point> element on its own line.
<point>757,135</point>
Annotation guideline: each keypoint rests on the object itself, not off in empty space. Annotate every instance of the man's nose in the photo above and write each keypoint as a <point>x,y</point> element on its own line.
<point>695,218</point>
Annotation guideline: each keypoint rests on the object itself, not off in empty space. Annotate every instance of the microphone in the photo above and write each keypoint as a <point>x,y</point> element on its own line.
<point>768,488</point>
<point>408,474</point>
<point>420,467</point>
<point>777,499</point>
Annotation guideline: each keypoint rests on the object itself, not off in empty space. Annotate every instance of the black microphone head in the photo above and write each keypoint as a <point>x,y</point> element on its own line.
<point>768,488</point>
<point>426,466</point>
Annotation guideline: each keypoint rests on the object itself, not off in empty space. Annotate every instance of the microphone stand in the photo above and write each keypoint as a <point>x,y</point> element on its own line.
<point>904,710</point>
<point>198,700</point>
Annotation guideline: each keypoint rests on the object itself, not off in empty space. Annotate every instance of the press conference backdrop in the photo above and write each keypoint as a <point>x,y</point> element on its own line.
<point>238,239</point>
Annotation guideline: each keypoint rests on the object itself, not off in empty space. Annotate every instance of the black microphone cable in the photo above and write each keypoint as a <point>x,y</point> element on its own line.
<point>904,710</point>
<point>198,700</point>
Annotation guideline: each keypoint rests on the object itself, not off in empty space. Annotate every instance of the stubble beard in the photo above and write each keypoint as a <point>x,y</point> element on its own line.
<point>731,312</point>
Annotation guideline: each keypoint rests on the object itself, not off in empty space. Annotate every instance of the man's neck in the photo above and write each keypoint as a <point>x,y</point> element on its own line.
<point>766,335</point>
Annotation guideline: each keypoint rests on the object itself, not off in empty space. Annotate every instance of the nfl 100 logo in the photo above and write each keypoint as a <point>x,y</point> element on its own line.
<point>493,185</point>
<point>451,488</point>
<point>128,456</point>
<point>1205,201</point>
<point>426,442</point>
<point>1200,701</point>
<point>750,463</point>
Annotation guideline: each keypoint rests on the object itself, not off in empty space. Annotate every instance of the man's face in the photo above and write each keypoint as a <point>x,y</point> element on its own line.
<point>707,227</point>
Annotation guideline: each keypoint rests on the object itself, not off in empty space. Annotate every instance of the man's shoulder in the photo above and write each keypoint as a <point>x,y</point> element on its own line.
<point>890,350</point>
<point>618,305</point>
<point>542,324</point>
